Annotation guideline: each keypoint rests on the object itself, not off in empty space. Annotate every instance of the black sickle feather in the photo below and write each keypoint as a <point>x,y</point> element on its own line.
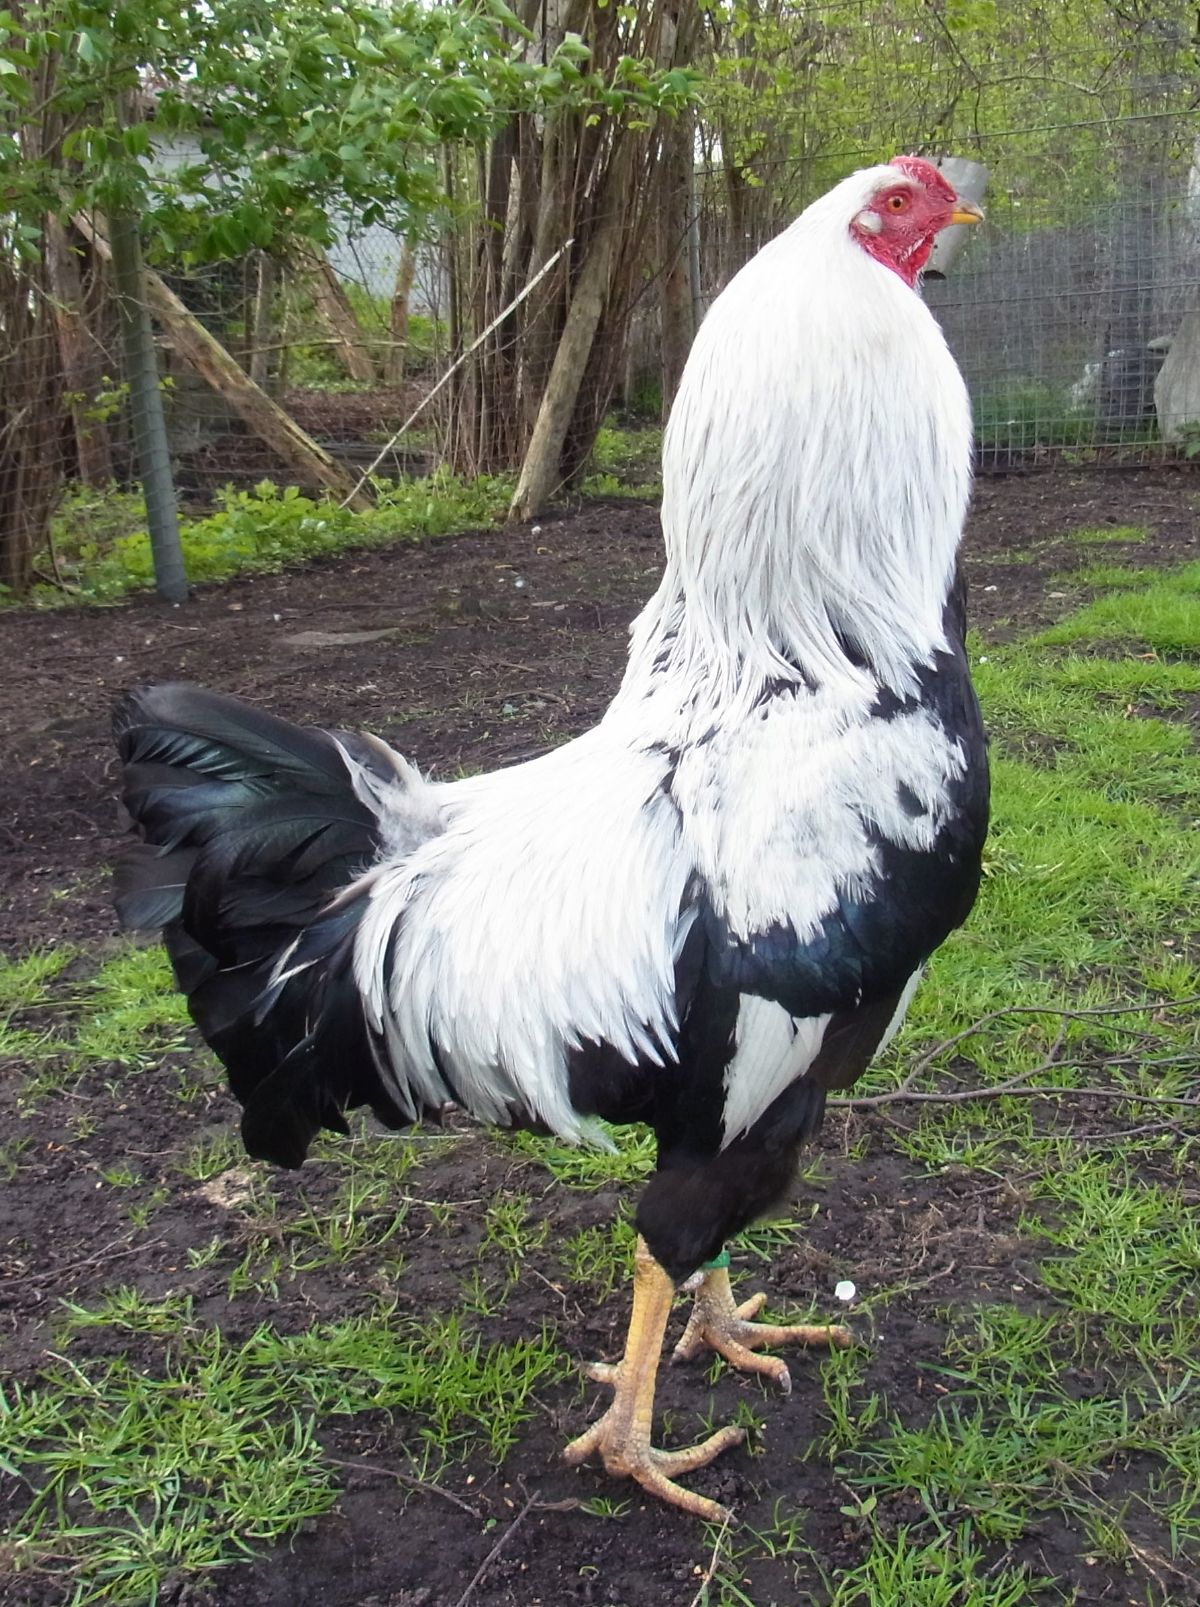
<point>250,829</point>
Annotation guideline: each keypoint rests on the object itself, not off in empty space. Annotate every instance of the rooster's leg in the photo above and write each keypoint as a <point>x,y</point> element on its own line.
<point>622,1435</point>
<point>718,1323</point>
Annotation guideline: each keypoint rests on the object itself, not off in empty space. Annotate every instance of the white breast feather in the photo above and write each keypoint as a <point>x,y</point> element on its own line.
<point>776,812</point>
<point>773,1049</point>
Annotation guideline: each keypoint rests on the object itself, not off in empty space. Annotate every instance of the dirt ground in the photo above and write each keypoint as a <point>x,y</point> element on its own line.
<point>473,652</point>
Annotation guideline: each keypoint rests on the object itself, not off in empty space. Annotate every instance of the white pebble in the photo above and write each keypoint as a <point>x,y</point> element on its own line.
<point>844,1290</point>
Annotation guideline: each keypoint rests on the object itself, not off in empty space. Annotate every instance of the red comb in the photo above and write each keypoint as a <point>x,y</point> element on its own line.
<point>924,173</point>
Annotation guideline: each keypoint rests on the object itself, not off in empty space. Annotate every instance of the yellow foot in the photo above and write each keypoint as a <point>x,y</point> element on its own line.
<point>717,1323</point>
<point>622,1437</point>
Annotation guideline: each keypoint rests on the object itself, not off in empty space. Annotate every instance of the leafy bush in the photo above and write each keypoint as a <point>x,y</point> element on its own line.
<point>102,549</point>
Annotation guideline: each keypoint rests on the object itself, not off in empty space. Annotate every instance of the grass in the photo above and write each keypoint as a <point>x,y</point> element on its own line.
<point>1059,1399</point>
<point>626,463</point>
<point>209,1451</point>
<point>54,1025</point>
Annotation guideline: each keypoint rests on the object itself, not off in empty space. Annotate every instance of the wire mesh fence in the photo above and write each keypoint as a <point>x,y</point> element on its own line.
<point>1063,317</point>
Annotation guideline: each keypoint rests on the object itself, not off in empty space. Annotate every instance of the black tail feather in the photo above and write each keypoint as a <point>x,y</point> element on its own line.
<point>250,829</point>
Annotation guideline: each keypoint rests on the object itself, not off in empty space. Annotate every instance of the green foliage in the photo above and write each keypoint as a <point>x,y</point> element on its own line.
<point>803,95</point>
<point>1023,416</point>
<point>103,550</point>
<point>314,367</point>
<point>626,463</point>
<point>291,113</point>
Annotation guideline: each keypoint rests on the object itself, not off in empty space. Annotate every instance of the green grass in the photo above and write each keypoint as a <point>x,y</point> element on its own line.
<point>1061,1395</point>
<point>1089,536</point>
<point>1089,1405</point>
<point>211,1451</point>
<point>55,1024</point>
<point>626,463</point>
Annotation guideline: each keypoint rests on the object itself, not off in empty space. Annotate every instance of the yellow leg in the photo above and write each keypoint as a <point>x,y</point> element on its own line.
<point>622,1435</point>
<point>718,1323</point>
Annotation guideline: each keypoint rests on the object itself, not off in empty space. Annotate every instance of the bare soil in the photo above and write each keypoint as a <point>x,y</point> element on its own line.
<point>472,652</point>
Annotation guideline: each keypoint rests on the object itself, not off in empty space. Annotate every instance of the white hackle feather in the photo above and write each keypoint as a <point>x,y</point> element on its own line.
<point>816,472</point>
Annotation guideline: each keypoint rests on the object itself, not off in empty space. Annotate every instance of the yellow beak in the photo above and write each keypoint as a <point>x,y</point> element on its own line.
<point>966,212</point>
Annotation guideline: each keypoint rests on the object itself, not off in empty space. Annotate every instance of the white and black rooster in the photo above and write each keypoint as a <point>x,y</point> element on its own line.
<point>703,914</point>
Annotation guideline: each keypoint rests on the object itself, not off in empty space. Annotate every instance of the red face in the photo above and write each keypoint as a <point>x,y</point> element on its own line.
<point>901,221</point>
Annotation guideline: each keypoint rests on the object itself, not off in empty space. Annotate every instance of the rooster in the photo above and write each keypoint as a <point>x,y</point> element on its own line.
<point>705,913</point>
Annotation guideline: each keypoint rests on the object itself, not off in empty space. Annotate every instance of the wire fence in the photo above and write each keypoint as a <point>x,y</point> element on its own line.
<point>1064,325</point>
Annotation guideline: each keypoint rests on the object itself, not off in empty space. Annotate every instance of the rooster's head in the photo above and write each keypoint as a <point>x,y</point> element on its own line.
<point>905,214</point>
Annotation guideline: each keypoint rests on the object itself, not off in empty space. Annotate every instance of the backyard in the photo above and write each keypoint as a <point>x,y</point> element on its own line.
<point>233,1387</point>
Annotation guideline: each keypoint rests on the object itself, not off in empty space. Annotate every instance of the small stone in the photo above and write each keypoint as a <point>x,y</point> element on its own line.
<point>844,1290</point>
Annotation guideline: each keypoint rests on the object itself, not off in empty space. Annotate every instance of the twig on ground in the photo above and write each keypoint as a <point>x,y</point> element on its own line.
<point>710,1571</point>
<point>110,1252</point>
<point>426,1486</point>
<point>1024,1084</point>
<point>532,1504</point>
<point>1015,1088</point>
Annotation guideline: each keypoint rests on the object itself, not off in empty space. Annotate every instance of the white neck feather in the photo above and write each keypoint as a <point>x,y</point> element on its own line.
<point>816,470</point>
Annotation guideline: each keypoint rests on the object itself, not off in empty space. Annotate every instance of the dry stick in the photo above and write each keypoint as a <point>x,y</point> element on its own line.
<point>453,369</point>
<point>1015,1088</point>
<point>1021,1085</point>
<point>710,1571</point>
<point>530,1502</point>
<point>410,1479</point>
<point>110,1252</point>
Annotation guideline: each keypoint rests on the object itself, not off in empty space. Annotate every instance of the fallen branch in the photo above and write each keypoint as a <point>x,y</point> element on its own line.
<point>426,1486</point>
<point>1024,1084</point>
<point>532,1504</point>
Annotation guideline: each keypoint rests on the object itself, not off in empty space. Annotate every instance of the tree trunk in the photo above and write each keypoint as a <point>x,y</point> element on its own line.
<point>541,473</point>
<point>333,308</point>
<point>146,410</point>
<point>81,369</point>
<point>213,363</point>
<point>401,296</point>
<point>675,291</point>
<point>30,418</point>
<point>263,320</point>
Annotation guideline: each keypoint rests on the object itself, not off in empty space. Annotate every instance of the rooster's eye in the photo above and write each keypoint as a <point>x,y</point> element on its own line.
<point>897,203</point>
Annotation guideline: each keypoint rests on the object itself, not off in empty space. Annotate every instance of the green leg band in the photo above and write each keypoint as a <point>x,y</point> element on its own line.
<point>717,1262</point>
